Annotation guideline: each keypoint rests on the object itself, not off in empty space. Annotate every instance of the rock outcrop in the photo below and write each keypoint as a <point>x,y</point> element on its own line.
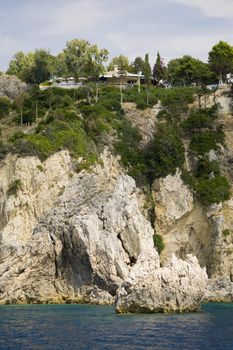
<point>11,86</point>
<point>178,287</point>
<point>84,248</point>
<point>219,290</point>
<point>39,186</point>
<point>181,221</point>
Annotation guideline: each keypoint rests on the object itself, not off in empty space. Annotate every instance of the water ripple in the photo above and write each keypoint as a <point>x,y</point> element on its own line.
<point>85,327</point>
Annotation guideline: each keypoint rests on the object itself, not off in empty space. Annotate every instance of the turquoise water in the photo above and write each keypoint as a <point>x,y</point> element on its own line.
<point>71,327</point>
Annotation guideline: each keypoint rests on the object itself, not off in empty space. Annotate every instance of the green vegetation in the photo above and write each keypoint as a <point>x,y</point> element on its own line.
<point>213,190</point>
<point>226,232</point>
<point>206,180</point>
<point>158,243</point>
<point>165,154</point>
<point>205,141</point>
<point>40,168</point>
<point>221,59</point>
<point>14,187</point>
<point>5,106</point>
<point>85,120</point>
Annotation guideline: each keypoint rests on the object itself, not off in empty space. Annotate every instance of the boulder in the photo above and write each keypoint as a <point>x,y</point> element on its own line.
<point>219,290</point>
<point>178,287</point>
<point>11,86</point>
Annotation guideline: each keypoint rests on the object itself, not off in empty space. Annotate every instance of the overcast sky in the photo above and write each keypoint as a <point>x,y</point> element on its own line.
<point>128,27</point>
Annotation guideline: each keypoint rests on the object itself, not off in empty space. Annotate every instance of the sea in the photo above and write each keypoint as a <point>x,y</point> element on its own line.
<point>87,327</point>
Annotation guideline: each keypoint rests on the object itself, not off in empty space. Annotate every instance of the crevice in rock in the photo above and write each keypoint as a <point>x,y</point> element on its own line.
<point>132,259</point>
<point>55,256</point>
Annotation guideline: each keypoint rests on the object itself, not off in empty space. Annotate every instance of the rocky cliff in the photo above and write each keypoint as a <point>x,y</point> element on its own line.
<point>82,237</point>
<point>82,244</point>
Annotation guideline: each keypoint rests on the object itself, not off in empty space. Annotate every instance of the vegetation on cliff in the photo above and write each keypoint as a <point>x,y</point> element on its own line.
<point>87,119</point>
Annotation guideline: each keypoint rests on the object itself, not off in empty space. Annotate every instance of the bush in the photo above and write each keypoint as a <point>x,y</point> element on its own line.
<point>205,168</point>
<point>188,179</point>
<point>214,190</point>
<point>34,145</point>
<point>226,232</point>
<point>165,154</point>
<point>158,243</point>
<point>203,142</point>
<point>5,106</point>
<point>14,187</point>
<point>141,103</point>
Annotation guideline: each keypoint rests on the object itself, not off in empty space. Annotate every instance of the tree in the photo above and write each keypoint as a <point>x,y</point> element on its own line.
<point>147,69</point>
<point>19,102</point>
<point>121,62</point>
<point>83,59</point>
<point>21,65</point>
<point>42,67</point>
<point>147,74</point>
<point>187,70</point>
<point>159,69</point>
<point>34,67</point>
<point>5,106</point>
<point>221,59</point>
<point>165,153</point>
<point>137,65</point>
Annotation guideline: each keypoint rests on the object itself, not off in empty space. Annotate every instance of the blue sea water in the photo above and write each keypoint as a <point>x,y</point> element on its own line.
<point>85,327</point>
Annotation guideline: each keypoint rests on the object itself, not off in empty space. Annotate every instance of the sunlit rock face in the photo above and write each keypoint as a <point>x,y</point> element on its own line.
<point>178,287</point>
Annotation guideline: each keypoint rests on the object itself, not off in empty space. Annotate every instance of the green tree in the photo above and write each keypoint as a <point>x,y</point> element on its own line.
<point>42,67</point>
<point>21,65</point>
<point>165,154</point>
<point>137,65</point>
<point>159,68</point>
<point>187,70</point>
<point>83,59</point>
<point>221,59</point>
<point>147,69</point>
<point>121,62</point>
<point>19,103</point>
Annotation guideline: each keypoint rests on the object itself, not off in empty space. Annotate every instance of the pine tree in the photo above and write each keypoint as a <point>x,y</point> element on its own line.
<point>159,69</point>
<point>147,69</point>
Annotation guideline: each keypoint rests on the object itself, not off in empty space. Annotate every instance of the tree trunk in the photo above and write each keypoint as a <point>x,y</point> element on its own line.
<point>36,110</point>
<point>21,116</point>
<point>97,93</point>
<point>220,79</point>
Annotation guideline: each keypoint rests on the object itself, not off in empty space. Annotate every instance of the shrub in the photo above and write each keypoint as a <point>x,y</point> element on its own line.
<point>14,187</point>
<point>158,243</point>
<point>203,142</point>
<point>226,232</point>
<point>18,135</point>
<point>214,190</point>
<point>188,178</point>
<point>205,168</point>
<point>5,106</point>
<point>141,103</point>
<point>165,154</point>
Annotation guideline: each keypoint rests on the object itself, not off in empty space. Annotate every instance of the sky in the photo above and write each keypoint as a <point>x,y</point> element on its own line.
<point>127,27</point>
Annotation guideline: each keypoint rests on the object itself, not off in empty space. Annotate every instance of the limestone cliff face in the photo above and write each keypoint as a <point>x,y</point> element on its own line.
<point>189,228</point>
<point>40,186</point>
<point>85,247</point>
<point>182,222</point>
<point>221,218</point>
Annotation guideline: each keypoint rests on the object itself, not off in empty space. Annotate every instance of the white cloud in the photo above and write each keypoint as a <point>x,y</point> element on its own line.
<point>133,27</point>
<point>211,8</point>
